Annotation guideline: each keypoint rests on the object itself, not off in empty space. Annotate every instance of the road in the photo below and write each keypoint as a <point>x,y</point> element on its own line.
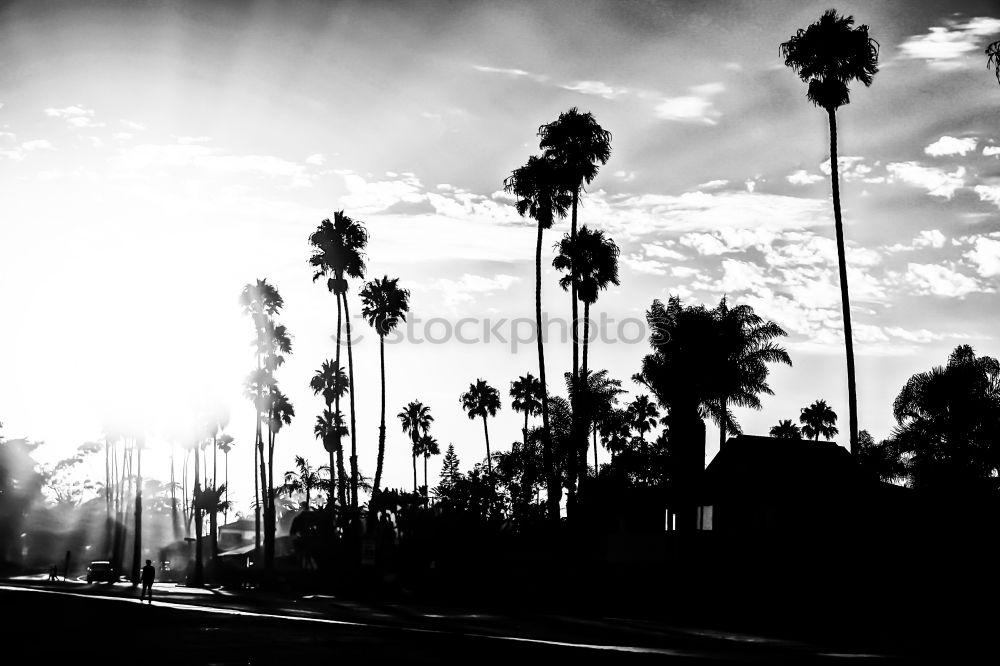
<point>84,623</point>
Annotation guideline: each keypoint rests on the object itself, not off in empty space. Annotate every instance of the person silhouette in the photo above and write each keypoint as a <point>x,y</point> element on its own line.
<point>53,573</point>
<point>148,575</point>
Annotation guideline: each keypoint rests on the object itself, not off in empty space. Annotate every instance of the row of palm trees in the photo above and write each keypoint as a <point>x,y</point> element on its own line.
<point>817,420</point>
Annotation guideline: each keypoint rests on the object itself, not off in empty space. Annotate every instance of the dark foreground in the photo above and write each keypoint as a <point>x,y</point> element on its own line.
<point>75,623</point>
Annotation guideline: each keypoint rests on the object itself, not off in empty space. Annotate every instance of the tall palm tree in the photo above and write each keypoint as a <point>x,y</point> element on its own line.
<point>526,391</point>
<point>140,444</point>
<point>785,430</point>
<point>225,445</point>
<point>384,304</point>
<point>280,413</point>
<point>339,253</point>
<point>829,55</point>
<point>746,345</point>
<point>599,401</point>
<point>643,415</point>
<point>415,420</point>
<point>818,420</point>
<point>482,400</point>
<point>331,381</point>
<point>428,447</point>
<point>539,195</point>
<point>993,58</point>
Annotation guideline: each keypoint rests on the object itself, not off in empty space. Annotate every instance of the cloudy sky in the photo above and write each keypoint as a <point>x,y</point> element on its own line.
<point>156,157</point>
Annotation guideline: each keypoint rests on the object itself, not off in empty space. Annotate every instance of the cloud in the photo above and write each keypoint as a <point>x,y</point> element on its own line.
<point>596,88</point>
<point>986,256</point>
<point>945,47</point>
<point>849,167</point>
<point>626,176</point>
<point>649,266</point>
<point>936,280</point>
<point>937,182</point>
<point>194,154</point>
<point>18,152</point>
<point>694,107</point>
<point>316,159</point>
<point>949,145</point>
<point>657,251</point>
<point>77,116</point>
<point>511,72</point>
<point>990,193</point>
<point>469,287</point>
<point>712,184</point>
<point>37,144</point>
<point>803,177</point>
<point>989,151</point>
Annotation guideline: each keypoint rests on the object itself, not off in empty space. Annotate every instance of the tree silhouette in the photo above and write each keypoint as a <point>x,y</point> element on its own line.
<point>225,445</point>
<point>303,479</point>
<point>539,194</point>
<point>883,460</point>
<point>415,420</point>
<point>747,347</point>
<point>384,304</point>
<point>428,446</point>
<point>339,253</point>
<point>993,58</point>
<point>786,430</point>
<point>331,381</point>
<point>829,55</point>
<point>818,420</point>
<point>948,423</point>
<point>599,398</point>
<point>526,392</point>
<point>450,468</point>
<point>482,400</point>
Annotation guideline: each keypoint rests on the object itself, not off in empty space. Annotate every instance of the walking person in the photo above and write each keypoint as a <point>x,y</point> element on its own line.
<point>148,576</point>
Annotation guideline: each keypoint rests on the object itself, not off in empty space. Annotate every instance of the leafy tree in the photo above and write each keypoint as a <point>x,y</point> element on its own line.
<point>643,415</point>
<point>829,55</point>
<point>450,468</point>
<point>600,399</point>
<point>818,420</point>
<point>539,194</point>
<point>339,253</point>
<point>384,304</point>
<point>786,430</point>
<point>948,424</point>
<point>415,420</point>
<point>482,400</point>
<point>884,460</point>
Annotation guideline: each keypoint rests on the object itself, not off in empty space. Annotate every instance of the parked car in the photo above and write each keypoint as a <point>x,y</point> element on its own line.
<point>101,570</point>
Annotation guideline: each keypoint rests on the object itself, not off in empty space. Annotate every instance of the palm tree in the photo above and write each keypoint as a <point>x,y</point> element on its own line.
<point>280,413</point>
<point>599,400</point>
<point>225,445</point>
<point>786,430</point>
<point>829,55</point>
<point>526,392</point>
<point>331,381</point>
<point>747,348</point>
<point>993,58</point>
<point>539,194</point>
<point>482,400</point>
<point>818,420</point>
<point>140,444</point>
<point>339,253</point>
<point>643,415</point>
<point>428,447</point>
<point>384,304</point>
<point>303,479</point>
<point>415,420</point>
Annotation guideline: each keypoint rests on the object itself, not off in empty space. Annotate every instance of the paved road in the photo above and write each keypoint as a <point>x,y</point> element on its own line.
<point>192,626</point>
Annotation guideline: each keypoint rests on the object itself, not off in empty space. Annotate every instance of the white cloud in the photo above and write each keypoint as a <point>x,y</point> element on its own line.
<point>597,88</point>
<point>986,256</point>
<point>511,72</point>
<point>712,184</point>
<point>849,167</point>
<point>648,266</point>
<point>316,159</point>
<point>132,125</point>
<point>937,182</point>
<point>695,107</point>
<point>989,151</point>
<point>989,193</point>
<point>194,154</point>
<point>657,251</point>
<point>930,238</point>
<point>803,177</point>
<point>37,144</point>
<point>706,245</point>
<point>77,116</point>
<point>949,145</point>
<point>939,280</point>
<point>946,47</point>
<point>626,176</point>
<point>469,287</point>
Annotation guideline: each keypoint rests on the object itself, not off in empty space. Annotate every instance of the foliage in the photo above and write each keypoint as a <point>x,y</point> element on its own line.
<point>818,420</point>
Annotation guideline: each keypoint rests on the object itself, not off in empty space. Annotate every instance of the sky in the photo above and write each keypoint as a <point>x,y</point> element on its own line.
<point>157,156</point>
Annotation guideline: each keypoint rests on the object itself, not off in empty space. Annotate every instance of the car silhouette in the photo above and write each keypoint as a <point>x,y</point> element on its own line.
<point>101,570</point>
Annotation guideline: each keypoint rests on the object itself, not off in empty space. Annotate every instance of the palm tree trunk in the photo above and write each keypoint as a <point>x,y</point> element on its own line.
<point>425,475</point>
<point>852,393</point>
<point>225,514</point>
<point>595,451</point>
<point>137,543</point>
<point>584,391</point>
<point>199,565</point>
<point>339,447</point>
<point>381,427</point>
<point>256,497</point>
<point>270,516</point>
<point>108,520</point>
<point>489,458</point>
<point>722,422</point>
<point>551,483</point>
<point>524,430</point>
<point>414,456</point>
<point>575,398</point>
<point>354,435</point>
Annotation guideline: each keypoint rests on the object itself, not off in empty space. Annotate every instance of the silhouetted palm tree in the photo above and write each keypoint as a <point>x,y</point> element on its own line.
<point>747,348</point>
<point>993,58</point>
<point>339,253</point>
<point>600,400</point>
<point>428,447</point>
<point>225,445</point>
<point>331,381</point>
<point>526,391</point>
<point>482,400</point>
<point>818,420</point>
<point>384,304</point>
<point>415,420</point>
<point>539,194</point>
<point>786,430</point>
<point>303,479</point>
<point>829,55</point>
<point>643,415</point>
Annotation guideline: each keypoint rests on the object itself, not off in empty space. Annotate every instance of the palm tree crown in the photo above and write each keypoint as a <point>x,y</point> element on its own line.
<point>643,414</point>
<point>993,58</point>
<point>538,191</point>
<point>415,419</point>
<point>338,251</point>
<point>818,420</point>
<point>578,144</point>
<point>481,400</point>
<point>592,258</point>
<point>785,430</point>
<point>384,304</point>
<point>526,392</point>
<point>829,55</point>
<point>330,381</point>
